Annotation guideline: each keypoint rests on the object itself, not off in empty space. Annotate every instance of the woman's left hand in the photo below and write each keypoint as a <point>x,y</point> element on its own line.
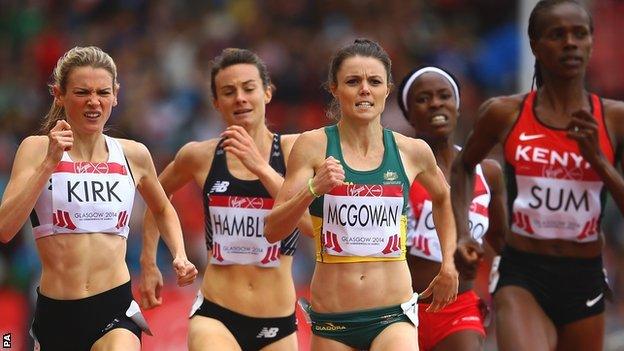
<point>443,288</point>
<point>185,271</point>
<point>584,129</point>
<point>240,144</point>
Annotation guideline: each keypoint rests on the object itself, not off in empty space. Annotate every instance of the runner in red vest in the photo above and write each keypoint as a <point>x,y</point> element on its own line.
<point>429,98</point>
<point>560,145</point>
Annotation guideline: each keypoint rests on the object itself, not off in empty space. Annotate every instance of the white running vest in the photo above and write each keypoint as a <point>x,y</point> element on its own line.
<point>422,236</point>
<point>87,197</point>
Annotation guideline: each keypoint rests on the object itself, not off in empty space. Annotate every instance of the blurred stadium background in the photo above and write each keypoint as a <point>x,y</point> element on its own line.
<point>162,50</point>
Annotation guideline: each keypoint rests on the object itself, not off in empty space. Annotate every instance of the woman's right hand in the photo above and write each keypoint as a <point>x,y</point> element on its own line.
<point>61,138</point>
<point>328,176</point>
<point>150,286</point>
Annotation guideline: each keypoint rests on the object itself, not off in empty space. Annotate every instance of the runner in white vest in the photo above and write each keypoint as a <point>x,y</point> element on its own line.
<point>79,185</point>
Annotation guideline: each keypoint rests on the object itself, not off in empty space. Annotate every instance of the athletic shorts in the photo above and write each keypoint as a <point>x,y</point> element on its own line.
<point>466,313</point>
<point>358,329</point>
<point>568,289</point>
<point>75,325</point>
<point>251,333</point>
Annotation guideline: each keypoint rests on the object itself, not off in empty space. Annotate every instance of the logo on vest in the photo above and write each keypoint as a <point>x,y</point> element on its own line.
<point>246,202</point>
<point>90,167</point>
<point>267,333</point>
<point>220,186</point>
<point>527,137</point>
<point>365,190</point>
<point>390,176</point>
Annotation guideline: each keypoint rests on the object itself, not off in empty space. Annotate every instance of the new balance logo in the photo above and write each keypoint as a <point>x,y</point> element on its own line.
<point>527,137</point>
<point>219,186</point>
<point>267,333</point>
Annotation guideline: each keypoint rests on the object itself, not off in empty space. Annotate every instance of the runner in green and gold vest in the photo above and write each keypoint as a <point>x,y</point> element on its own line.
<point>369,200</point>
<point>354,178</point>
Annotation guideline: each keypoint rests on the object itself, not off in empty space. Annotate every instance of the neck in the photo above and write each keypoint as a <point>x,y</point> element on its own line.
<point>260,134</point>
<point>88,147</point>
<point>565,96</point>
<point>363,137</point>
<point>443,150</point>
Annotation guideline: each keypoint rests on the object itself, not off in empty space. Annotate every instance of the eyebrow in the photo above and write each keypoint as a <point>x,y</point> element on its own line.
<point>361,75</point>
<point>89,89</point>
<point>229,86</point>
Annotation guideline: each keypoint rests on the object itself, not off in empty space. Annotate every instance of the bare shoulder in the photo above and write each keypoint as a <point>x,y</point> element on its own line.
<point>33,148</point>
<point>410,145</point>
<point>197,152</point>
<point>503,108</point>
<point>310,147</point>
<point>312,139</point>
<point>615,105</point>
<point>133,150</point>
<point>35,142</point>
<point>287,141</point>
<point>614,108</point>
<point>614,117</point>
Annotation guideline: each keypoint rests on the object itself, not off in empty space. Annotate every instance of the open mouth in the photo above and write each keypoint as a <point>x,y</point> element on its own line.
<point>364,104</point>
<point>92,114</point>
<point>438,120</point>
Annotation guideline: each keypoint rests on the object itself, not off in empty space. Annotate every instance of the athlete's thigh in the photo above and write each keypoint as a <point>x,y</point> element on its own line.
<point>396,337</point>
<point>318,343</point>
<point>463,340</point>
<point>210,334</point>
<point>521,324</point>
<point>118,339</point>
<point>288,343</point>
<point>583,335</point>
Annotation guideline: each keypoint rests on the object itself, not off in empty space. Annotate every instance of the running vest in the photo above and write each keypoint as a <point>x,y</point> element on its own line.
<point>553,192</point>
<point>422,237</point>
<point>86,197</point>
<point>235,209</point>
<point>365,219</point>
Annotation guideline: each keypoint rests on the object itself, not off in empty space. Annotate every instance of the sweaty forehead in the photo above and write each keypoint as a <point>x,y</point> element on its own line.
<point>360,66</point>
<point>237,74</point>
<point>562,15</point>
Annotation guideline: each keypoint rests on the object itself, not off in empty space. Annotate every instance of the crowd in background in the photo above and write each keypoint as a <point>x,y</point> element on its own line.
<point>162,50</point>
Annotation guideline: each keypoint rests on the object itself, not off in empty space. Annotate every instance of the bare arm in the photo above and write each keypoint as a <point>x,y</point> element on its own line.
<point>587,139</point>
<point>240,144</point>
<point>30,174</point>
<point>294,197</point>
<point>160,207</point>
<point>178,173</point>
<point>497,209</point>
<point>495,119</point>
<point>422,164</point>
